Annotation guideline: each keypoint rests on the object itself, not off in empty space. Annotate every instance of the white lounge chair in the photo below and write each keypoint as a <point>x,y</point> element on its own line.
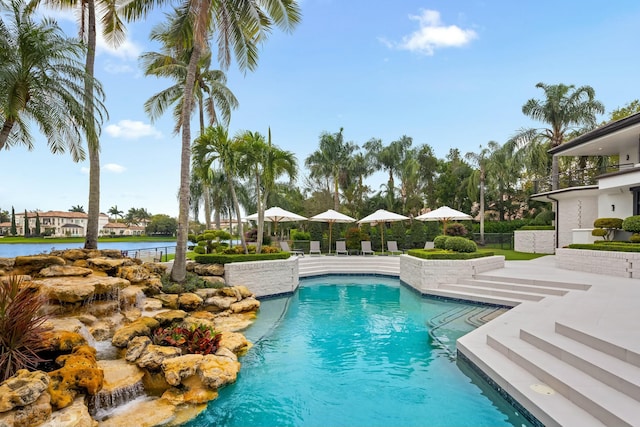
<point>341,247</point>
<point>392,246</point>
<point>366,247</point>
<point>284,245</point>
<point>314,247</point>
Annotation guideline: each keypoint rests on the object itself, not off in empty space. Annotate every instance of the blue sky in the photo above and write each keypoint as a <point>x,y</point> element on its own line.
<point>451,74</point>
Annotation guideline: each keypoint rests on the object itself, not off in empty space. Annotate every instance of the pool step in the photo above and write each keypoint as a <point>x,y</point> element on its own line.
<point>348,264</point>
<point>471,296</point>
<point>538,356</point>
<point>520,287</point>
<point>602,344</point>
<point>492,291</point>
<point>533,282</point>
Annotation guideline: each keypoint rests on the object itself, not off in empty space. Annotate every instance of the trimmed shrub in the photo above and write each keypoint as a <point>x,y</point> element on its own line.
<point>460,244</point>
<point>537,227</point>
<point>607,246</point>
<point>456,229</point>
<point>599,232</point>
<point>439,242</point>
<point>300,235</point>
<point>631,224</point>
<point>438,254</point>
<point>227,258</point>
<point>545,217</point>
<point>608,223</point>
<point>635,238</point>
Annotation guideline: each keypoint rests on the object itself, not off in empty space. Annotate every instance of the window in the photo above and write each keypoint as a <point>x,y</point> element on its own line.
<point>636,200</point>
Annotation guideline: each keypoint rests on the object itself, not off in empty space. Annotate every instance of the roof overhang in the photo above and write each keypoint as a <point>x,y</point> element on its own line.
<point>610,139</point>
<point>566,193</point>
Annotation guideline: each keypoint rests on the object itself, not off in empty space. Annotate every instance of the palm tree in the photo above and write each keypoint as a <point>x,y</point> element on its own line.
<point>113,31</point>
<point>264,163</point>
<point>240,26</point>
<point>210,88</point>
<point>113,210</point>
<point>330,160</point>
<point>214,145</point>
<point>565,109</point>
<point>77,208</point>
<point>40,81</point>
<point>480,160</point>
<point>388,158</point>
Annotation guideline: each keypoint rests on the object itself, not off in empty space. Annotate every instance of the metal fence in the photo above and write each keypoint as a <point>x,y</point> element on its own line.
<point>159,254</point>
<point>501,240</point>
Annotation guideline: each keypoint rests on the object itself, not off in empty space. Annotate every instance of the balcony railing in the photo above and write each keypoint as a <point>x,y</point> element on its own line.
<point>577,177</point>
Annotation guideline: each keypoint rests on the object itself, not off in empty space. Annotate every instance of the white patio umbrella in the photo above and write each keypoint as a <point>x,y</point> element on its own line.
<point>380,217</point>
<point>444,214</point>
<point>276,215</point>
<point>331,217</point>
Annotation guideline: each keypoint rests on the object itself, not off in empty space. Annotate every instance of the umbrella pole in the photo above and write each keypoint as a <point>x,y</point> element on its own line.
<point>382,236</point>
<point>330,224</point>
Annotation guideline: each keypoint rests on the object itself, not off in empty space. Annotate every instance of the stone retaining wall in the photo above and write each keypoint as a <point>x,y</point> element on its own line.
<point>264,278</point>
<point>535,241</point>
<point>621,264</point>
<point>422,274</point>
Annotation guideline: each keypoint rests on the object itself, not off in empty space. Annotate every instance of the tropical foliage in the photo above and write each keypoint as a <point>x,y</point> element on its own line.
<point>21,327</point>
<point>199,339</point>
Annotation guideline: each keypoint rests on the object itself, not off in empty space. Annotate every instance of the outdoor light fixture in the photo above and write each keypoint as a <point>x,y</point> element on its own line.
<point>613,208</point>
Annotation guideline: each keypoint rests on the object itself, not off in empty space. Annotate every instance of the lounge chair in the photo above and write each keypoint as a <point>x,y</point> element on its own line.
<point>392,246</point>
<point>428,245</point>
<point>341,247</point>
<point>284,245</point>
<point>314,247</point>
<point>366,247</point>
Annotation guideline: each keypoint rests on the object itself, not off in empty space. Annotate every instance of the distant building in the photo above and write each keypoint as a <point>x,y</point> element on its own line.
<point>58,223</point>
<point>121,229</point>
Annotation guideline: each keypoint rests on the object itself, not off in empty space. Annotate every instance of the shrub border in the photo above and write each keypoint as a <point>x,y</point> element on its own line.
<point>607,246</point>
<point>445,255</point>
<point>229,258</point>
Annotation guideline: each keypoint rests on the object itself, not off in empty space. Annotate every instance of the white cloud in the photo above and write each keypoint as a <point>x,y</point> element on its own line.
<point>115,168</point>
<point>113,68</point>
<point>433,34</point>
<point>84,170</point>
<point>129,129</point>
<point>128,49</point>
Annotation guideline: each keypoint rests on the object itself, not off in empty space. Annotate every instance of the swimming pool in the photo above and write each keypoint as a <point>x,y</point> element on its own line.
<point>356,351</point>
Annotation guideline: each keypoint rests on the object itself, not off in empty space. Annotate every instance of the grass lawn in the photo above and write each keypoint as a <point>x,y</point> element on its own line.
<point>511,255</point>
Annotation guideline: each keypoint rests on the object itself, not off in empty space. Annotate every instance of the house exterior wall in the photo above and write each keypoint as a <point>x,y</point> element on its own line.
<point>618,204</point>
<point>574,212</point>
<point>264,278</point>
<point>621,264</point>
<point>535,241</point>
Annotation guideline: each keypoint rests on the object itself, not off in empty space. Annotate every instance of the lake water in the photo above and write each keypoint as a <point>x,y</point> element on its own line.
<point>12,250</point>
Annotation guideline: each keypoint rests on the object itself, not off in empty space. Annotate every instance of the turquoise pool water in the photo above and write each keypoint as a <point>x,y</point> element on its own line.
<point>355,351</point>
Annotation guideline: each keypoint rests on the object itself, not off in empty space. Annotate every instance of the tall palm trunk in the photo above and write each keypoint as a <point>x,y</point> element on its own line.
<point>259,237</point>
<point>206,182</point>
<point>179,270</point>
<point>93,214</point>
<point>234,196</point>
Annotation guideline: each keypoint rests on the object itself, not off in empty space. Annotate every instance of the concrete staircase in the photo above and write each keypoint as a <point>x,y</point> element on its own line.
<point>349,264</point>
<point>504,291</point>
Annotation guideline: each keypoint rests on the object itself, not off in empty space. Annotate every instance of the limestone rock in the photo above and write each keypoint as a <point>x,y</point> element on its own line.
<point>119,375</point>
<point>247,304</point>
<point>189,301</point>
<point>230,292</point>
<point>206,269</point>
<point>32,264</point>
<point>135,273</point>
<point>245,292</point>
<point>135,348</point>
<point>110,265</point>
<point>205,293</point>
<point>234,322</point>
<point>64,270</point>
<point>168,317</point>
<point>74,415</point>
<point>221,302</point>
<point>178,368</point>
<point>225,352</point>
<point>22,278</point>
<point>191,392</point>
<point>7,263</point>
<point>147,413</point>
<point>77,289</point>
<point>216,371</point>
<point>29,415</point>
<point>24,388</point>
<point>151,304</point>
<point>62,341</point>
<point>142,326</point>
<point>103,308</point>
<point>132,295</point>
<point>168,300</point>
<point>153,356</point>
<point>152,287</point>
<point>79,373</point>
<point>235,342</point>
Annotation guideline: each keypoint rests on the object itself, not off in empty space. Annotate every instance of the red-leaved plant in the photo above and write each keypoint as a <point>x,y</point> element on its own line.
<point>21,327</point>
<point>195,340</point>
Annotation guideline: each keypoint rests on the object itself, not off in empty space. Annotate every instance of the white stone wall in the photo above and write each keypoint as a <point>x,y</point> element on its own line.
<point>621,264</point>
<point>264,278</point>
<point>422,274</point>
<point>535,241</point>
<point>579,212</point>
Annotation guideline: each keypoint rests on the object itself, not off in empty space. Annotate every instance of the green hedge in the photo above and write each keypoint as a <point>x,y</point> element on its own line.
<point>608,246</point>
<point>440,254</point>
<point>537,227</point>
<point>226,259</point>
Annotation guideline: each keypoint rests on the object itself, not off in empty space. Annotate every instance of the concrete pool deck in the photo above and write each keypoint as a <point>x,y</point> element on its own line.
<point>569,357</point>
